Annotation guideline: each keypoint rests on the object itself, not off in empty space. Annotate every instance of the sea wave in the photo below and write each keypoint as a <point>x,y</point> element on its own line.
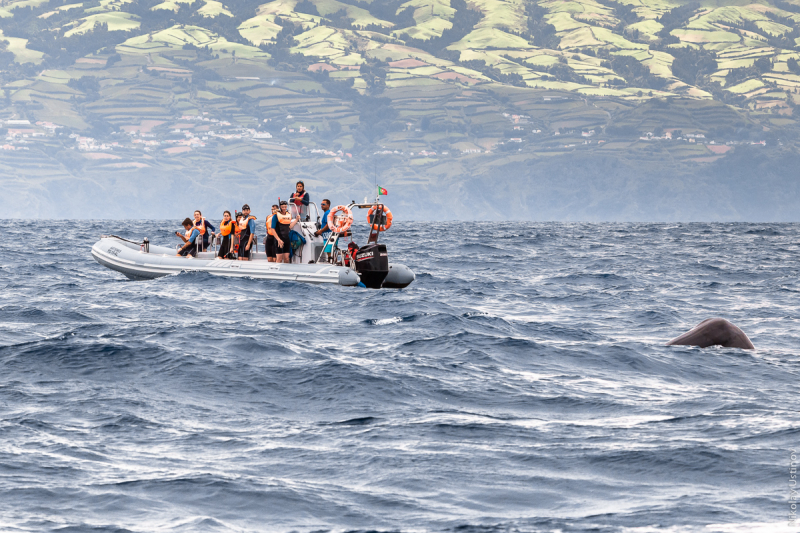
<point>520,384</point>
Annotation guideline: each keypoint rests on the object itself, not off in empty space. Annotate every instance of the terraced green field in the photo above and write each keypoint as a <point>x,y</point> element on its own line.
<point>237,88</point>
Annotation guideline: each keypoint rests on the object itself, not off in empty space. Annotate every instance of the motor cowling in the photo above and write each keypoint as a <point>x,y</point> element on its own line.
<point>372,264</point>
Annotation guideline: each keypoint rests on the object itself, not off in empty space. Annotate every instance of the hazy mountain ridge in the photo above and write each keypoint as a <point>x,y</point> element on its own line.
<point>132,104</point>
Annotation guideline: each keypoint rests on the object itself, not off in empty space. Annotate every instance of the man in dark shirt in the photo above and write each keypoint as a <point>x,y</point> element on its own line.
<point>324,230</point>
<point>248,234</point>
<point>282,225</point>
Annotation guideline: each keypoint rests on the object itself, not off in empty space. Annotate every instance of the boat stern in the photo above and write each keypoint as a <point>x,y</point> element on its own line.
<point>399,277</point>
<point>348,277</point>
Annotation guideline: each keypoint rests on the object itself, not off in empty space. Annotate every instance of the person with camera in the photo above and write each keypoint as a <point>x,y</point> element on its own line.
<point>189,239</point>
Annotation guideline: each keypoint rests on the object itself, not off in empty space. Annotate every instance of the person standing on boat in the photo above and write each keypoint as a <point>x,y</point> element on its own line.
<point>203,226</point>
<point>270,243</point>
<point>238,229</point>
<point>227,228</point>
<point>325,231</point>
<point>189,239</point>
<point>282,224</point>
<point>301,199</point>
<point>247,233</point>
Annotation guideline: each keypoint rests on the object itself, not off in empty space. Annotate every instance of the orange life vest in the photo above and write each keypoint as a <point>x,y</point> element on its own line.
<point>226,227</point>
<point>284,219</point>
<point>202,227</point>
<point>244,223</point>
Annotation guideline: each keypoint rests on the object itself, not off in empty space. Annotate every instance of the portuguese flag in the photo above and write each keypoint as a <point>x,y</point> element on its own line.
<point>382,191</point>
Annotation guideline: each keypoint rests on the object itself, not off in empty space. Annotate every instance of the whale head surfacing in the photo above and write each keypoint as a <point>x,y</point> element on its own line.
<point>714,332</point>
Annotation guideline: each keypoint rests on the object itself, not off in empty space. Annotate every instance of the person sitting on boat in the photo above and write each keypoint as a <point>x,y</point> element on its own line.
<point>270,243</point>
<point>301,199</point>
<point>189,239</point>
<point>325,231</point>
<point>350,255</point>
<point>247,233</point>
<point>282,224</point>
<point>227,229</point>
<point>204,226</point>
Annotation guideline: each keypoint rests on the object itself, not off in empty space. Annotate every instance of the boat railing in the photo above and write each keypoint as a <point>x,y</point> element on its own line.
<point>216,242</point>
<point>304,211</point>
<point>332,241</point>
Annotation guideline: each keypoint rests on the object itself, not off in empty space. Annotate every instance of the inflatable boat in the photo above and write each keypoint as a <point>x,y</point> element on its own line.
<point>367,266</point>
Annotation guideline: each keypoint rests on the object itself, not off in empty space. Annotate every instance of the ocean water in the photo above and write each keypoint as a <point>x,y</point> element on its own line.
<point>520,384</point>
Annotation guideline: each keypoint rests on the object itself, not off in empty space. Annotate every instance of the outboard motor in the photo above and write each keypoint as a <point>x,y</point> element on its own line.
<point>372,264</point>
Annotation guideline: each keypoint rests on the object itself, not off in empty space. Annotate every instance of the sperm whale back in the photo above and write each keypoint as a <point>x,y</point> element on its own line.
<point>714,332</point>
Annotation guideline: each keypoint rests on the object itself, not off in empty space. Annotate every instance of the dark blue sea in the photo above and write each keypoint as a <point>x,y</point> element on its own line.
<point>520,384</point>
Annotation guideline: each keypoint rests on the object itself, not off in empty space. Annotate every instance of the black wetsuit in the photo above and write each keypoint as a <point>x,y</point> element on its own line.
<point>270,244</point>
<point>190,246</point>
<point>283,232</point>
<point>226,246</point>
<point>244,237</point>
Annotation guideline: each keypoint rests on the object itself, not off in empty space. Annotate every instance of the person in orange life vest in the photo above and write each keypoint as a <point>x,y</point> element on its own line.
<point>204,226</point>
<point>189,239</point>
<point>237,228</point>
<point>247,233</point>
<point>228,231</point>
<point>269,242</point>
<point>300,199</point>
<point>282,223</point>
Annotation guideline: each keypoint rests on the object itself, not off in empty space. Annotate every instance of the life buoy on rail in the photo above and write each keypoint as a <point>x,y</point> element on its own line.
<point>381,227</point>
<point>340,223</point>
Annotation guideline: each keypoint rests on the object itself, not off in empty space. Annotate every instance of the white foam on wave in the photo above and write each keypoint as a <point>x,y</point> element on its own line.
<point>387,321</point>
<point>742,527</point>
<point>754,527</point>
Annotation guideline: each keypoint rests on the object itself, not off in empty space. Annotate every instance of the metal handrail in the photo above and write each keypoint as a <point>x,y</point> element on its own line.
<point>120,238</point>
<point>292,207</point>
<point>332,239</point>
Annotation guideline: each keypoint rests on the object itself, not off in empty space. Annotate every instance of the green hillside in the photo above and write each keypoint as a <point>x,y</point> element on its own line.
<point>421,92</point>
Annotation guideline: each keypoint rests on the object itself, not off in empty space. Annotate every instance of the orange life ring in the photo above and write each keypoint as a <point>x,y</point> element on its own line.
<point>340,223</point>
<point>381,227</point>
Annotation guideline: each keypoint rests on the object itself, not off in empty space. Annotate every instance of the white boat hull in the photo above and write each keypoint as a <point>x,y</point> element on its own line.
<point>129,259</point>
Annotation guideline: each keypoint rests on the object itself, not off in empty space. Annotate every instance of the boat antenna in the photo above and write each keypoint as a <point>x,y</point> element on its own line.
<point>375,179</point>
